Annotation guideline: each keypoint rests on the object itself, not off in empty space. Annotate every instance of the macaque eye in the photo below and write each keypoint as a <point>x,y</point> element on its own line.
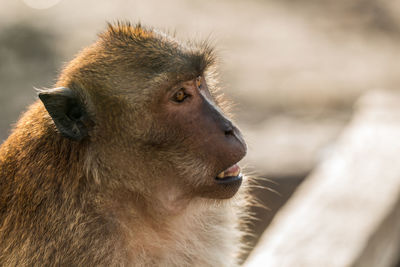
<point>180,96</point>
<point>198,82</point>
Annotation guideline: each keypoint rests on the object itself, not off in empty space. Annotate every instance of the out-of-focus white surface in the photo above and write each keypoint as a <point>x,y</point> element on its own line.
<point>347,213</point>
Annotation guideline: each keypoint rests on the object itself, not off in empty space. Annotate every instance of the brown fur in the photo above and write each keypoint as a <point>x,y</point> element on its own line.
<point>101,201</point>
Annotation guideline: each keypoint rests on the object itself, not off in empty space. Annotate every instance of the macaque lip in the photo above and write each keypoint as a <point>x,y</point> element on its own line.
<point>230,179</point>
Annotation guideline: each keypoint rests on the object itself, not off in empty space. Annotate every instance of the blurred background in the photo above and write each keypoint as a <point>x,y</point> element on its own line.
<point>294,68</point>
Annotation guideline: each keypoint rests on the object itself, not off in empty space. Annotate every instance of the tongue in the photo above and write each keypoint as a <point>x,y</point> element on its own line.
<point>231,171</point>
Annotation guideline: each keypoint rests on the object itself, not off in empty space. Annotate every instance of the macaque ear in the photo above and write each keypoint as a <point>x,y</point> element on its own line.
<point>67,111</point>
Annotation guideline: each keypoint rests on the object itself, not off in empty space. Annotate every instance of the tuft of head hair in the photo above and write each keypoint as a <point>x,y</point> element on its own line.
<point>159,48</point>
<point>125,30</point>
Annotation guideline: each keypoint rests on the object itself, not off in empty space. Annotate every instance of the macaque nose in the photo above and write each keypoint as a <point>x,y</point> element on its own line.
<point>231,131</point>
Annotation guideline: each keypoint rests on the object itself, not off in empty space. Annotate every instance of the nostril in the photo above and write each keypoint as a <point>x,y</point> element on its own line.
<point>229,130</point>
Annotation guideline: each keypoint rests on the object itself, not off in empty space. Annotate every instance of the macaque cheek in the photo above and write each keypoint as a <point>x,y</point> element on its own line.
<point>194,130</point>
<point>182,124</point>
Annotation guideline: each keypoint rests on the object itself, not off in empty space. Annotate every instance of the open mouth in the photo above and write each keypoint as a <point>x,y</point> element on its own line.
<point>230,175</point>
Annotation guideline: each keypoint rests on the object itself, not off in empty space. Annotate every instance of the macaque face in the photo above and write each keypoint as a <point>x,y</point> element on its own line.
<point>208,143</point>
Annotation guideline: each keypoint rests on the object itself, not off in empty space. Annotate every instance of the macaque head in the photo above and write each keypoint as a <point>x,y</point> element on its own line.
<point>147,109</point>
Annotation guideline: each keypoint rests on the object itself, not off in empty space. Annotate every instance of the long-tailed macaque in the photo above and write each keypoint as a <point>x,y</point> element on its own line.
<point>128,161</point>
